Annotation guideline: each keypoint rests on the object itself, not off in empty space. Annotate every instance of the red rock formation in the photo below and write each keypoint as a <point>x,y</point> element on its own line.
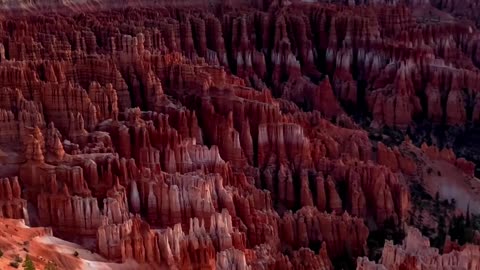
<point>195,138</point>
<point>448,155</point>
<point>415,252</point>
<point>308,226</point>
<point>134,239</point>
<point>312,97</point>
<point>77,215</point>
<point>12,205</point>
<point>395,160</point>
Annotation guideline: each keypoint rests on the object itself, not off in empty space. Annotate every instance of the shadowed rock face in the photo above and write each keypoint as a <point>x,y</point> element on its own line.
<point>213,135</point>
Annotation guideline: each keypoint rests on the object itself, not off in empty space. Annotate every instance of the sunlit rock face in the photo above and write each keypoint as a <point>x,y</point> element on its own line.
<point>235,134</point>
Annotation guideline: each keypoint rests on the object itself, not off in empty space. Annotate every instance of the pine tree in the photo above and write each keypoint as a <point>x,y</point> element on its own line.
<point>453,203</point>
<point>467,219</point>
<point>439,240</point>
<point>28,264</point>
<point>437,202</point>
<point>457,230</point>
<point>50,266</point>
